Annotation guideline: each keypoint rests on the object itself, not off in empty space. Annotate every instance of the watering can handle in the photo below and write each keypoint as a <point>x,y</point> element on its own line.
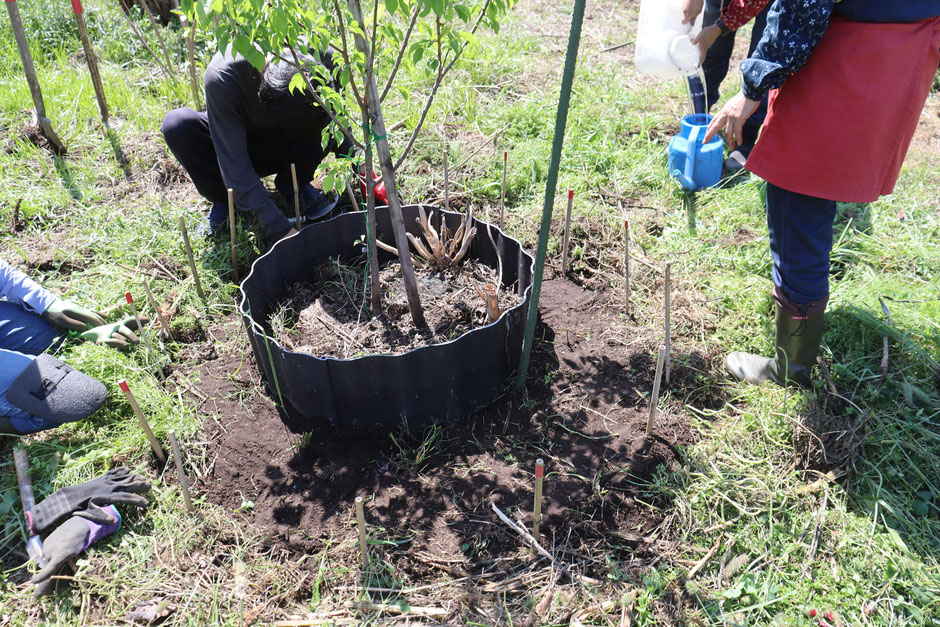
<point>686,179</point>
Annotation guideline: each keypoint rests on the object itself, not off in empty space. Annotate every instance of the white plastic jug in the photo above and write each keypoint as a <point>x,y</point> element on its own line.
<point>663,43</point>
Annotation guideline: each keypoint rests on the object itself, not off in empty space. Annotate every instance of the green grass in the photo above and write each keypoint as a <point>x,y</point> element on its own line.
<point>789,537</point>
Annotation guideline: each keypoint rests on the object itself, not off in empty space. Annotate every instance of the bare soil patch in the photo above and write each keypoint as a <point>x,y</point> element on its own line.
<point>429,492</point>
<point>328,316</point>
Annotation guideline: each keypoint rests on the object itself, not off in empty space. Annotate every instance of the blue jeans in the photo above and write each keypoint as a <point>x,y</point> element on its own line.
<point>717,60</point>
<point>800,230</point>
<point>23,335</point>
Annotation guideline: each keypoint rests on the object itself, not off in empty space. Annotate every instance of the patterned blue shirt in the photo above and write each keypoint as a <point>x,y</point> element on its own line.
<point>795,27</point>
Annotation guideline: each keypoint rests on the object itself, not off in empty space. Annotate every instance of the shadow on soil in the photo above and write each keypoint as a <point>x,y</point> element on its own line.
<point>429,492</point>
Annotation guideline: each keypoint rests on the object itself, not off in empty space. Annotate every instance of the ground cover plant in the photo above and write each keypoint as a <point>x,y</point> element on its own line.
<point>750,506</point>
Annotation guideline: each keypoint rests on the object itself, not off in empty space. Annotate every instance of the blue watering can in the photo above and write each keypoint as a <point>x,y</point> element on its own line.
<point>694,165</point>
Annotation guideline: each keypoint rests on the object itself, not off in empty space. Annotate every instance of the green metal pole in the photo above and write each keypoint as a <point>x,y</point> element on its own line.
<point>571,58</point>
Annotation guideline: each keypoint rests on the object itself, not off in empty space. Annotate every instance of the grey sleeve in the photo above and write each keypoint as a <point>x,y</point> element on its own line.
<point>231,147</point>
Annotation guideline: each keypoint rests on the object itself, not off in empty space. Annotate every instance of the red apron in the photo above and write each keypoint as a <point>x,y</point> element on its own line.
<point>840,127</point>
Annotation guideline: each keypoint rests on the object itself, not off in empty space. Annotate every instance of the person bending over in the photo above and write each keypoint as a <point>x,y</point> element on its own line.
<point>253,127</point>
<point>37,391</point>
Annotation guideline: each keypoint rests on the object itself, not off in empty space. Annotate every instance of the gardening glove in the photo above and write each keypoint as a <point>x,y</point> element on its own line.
<point>70,539</point>
<point>115,334</point>
<point>68,316</point>
<point>117,486</point>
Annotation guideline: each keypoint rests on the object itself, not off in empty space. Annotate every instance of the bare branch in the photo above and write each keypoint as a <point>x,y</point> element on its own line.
<point>437,83</point>
<point>401,52</point>
<point>345,52</point>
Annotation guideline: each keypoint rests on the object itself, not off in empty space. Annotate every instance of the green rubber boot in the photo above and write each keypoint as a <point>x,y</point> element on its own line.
<point>799,333</point>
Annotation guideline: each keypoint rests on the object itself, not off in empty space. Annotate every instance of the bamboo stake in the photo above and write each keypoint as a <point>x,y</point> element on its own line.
<point>192,261</point>
<point>654,400</point>
<point>35,91</point>
<point>502,193</point>
<point>143,422</point>
<point>537,510</point>
<point>446,182</point>
<point>564,247</point>
<point>626,263</point>
<point>363,544</point>
<point>91,59</point>
<point>156,30</point>
<point>156,308</point>
<point>231,230</point>
<point>191,56</point>
<point>668,288</point>
<point>184,481</point>
<point>140,327</point>
<point>293,176</point>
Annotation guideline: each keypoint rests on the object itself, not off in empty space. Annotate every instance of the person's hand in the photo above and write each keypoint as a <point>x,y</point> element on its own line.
<point>68,316</point>
<point>292,231</point>
<point>731,120</point>
<point>115,334</point>
<point>705,39</point>
<point>690,10</point>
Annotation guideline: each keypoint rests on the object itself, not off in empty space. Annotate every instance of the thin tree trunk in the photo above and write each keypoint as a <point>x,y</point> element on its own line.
<point>388,176</point>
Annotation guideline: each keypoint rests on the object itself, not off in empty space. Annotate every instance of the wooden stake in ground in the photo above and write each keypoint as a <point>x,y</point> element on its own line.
<point>192,261</point>
<point>654,399</point>
<point>184,482</point>
<point>20,35</point>
<point>537,509</point>
<point>668,289</point>
<point>156,308</point>
<point>363,544</point>
<point>564,246</point>
<point>446,181</point>
<point>502,193</point>
<point>90,59</point>
<point>191,56</point>
<point>626,263</point>
<point>231,230</point>
<point>143,422</point>
<point>140,326</point>
<point>293,176</point>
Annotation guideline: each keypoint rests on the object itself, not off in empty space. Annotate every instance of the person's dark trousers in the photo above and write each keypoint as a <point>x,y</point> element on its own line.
<point>271,151</point>
<point>800,230</point>
<point>718,59</point>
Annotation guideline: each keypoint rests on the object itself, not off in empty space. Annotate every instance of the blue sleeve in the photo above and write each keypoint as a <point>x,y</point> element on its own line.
<point>18,288</point>
<point>794,29</point>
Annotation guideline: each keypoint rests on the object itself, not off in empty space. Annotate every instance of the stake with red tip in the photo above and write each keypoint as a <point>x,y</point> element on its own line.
<point>143,422</point>
<point>537,509</point>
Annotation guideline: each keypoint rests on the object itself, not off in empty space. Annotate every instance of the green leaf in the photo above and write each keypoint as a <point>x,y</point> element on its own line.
<point>296,83</point>
<point>329,182</point>
<point>463,12</point>
<point>391,6</point>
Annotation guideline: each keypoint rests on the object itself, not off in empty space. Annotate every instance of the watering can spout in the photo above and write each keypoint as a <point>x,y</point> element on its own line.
<point>686,183</point>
